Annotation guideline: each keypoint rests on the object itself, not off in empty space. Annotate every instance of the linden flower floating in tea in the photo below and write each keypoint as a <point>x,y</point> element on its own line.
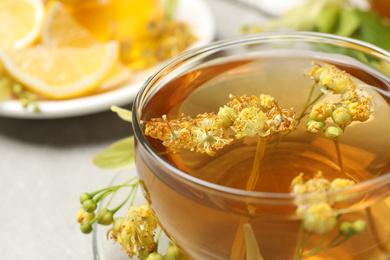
<point>242,117</point>
<point>354,104</point>
<point>318,214</point>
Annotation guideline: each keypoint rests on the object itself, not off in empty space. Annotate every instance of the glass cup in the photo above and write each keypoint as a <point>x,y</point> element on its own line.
<point>206,212</point>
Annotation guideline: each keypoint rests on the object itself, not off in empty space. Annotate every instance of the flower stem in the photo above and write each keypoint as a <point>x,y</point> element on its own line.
<point>158,237</point>
<point>339,158</point>
<point>374,230</point>
<point>131,193</point>
<point>260,150</point>
<point>298,250</point>
<point>307,101</point>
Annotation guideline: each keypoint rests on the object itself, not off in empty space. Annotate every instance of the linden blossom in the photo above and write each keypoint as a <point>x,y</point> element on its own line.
<point>354,104</point>
<point>136,231</point>
<point>318,215</point>
<point>244,116</point>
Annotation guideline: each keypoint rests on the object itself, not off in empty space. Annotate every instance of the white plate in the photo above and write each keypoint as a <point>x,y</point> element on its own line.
<point>189,11</point>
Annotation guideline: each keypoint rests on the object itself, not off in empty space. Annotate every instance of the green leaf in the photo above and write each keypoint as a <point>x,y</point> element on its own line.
<point>125,114</point>
<point>348,22</point>
<point>119,155</point>
<point>373,30</point>
<point>327,19</point>
<point>170,7</point>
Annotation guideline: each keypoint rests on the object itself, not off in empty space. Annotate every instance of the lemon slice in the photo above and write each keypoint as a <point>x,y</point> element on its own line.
<point>60,29</point>
<point>61,73</point>
<point>21,22</point>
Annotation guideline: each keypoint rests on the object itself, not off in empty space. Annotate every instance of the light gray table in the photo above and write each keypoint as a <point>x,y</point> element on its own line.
<point>46,164</point>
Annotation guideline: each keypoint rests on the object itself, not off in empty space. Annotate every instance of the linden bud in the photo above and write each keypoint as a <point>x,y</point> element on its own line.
<point>105,217</point>
<point>86,228</point>
<point>318,113</point>
<point>359,226</point>
<point>84,217</point>
<point>227,115</point>
<point>314,126</point>
<point>143,254</point>
<point>329,108</point>
<point>341,116</point>
<point>85,196</point>
<point>346,228</point>
<point>333,132</point>
<point>155,256</point>
<point>89,205</point>
<point>173,253</point>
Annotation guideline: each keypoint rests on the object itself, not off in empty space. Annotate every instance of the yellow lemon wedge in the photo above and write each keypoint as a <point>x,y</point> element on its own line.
<point>61,73</point>
<point>21,22</point>
<point>60,29</point>
<point>116,78</point>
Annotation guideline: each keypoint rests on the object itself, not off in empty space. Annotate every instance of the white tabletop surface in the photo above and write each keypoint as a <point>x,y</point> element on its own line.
<point>46,164</point>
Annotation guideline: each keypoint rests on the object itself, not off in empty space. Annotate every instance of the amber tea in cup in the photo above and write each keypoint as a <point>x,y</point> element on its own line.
<point>271,146</point>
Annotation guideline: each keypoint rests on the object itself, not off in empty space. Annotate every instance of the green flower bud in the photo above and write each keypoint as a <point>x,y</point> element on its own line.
<point>333,132</point>
<point>155,256</point>
<point>105,217</point>
<point>85,196</point>
<point>346,228</point>
<point>117,223</point>
<point>173,253</point>
<point>89,205</point>
<point>143,254</point>
<point>86,228</point>
<point>359,226</point>
<point>341,116</point>
<point>227,115</point>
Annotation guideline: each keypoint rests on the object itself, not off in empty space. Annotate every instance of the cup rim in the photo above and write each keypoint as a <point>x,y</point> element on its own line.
<point>361,187</point>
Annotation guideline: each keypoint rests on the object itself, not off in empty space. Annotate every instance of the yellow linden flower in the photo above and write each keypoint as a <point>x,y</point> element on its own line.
<point>250,121</point>
<point>340,184</point>
<point>244,116</point>
<point>136,231</point>
<point>336,80</point>
<point>267,101</point>
<point>317,184</point>
<point>319,218</point>
<point>209,134</point>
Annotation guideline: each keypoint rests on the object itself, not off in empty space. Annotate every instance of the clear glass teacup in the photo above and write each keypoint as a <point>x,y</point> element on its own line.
<point>286,148</point>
